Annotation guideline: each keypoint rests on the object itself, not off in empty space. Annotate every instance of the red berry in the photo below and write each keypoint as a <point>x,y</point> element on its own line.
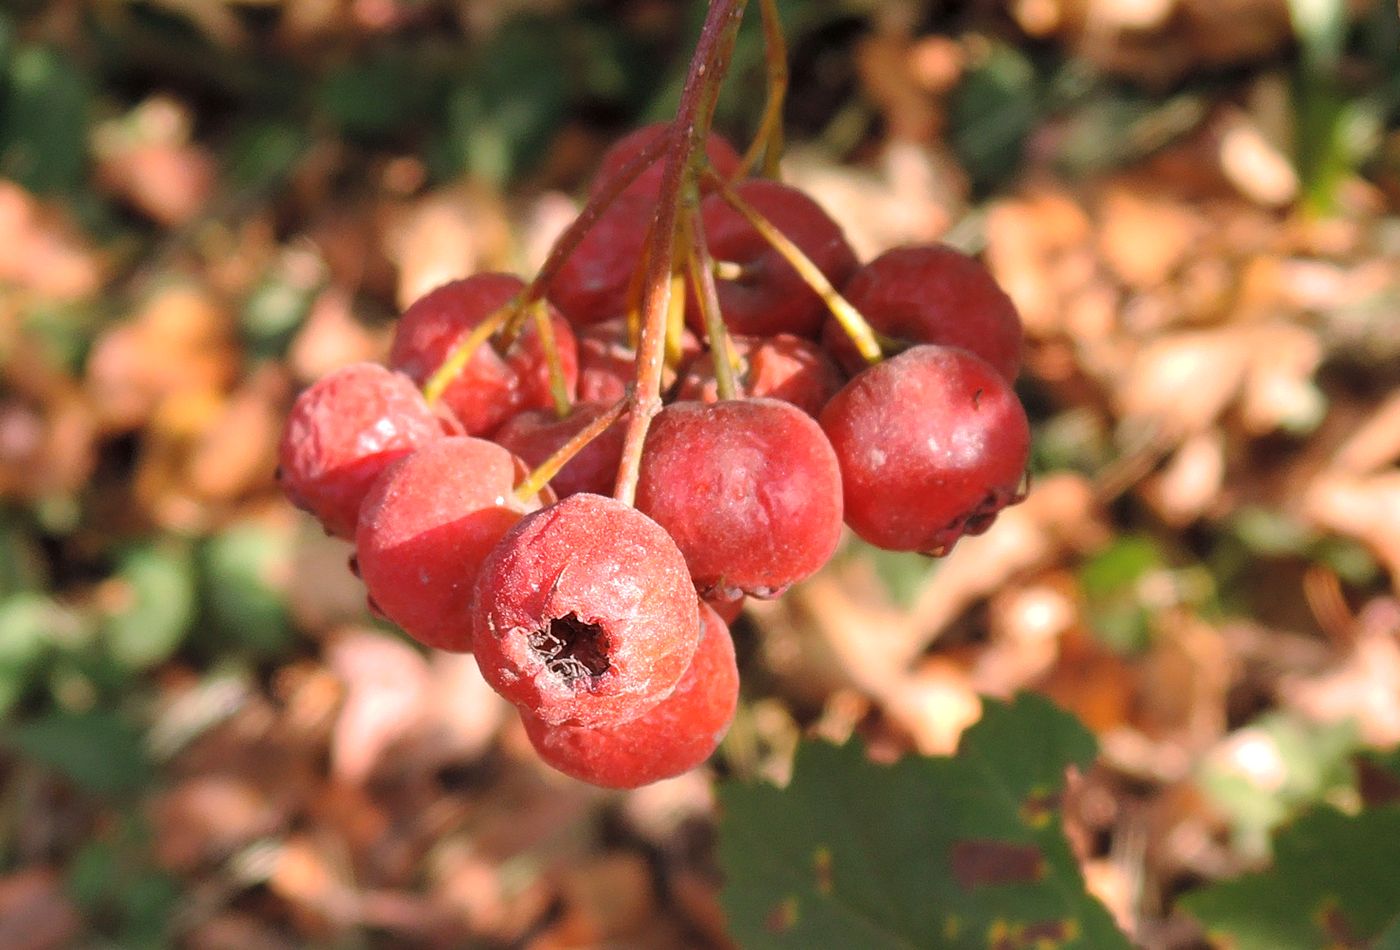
<point>930,293</point>
<point>750,490</point>
<point>933,443</point>
<point>781,367</point>
<point>770,297</point>
<point>584,613</point>
<point>672,737</point>
<point>607,361</point>
<point>341,433</point>
<point>493,386</point>
<point>593,283</point>
<point>721,154</point>
<point>539,433</point>
<point>426,525</point>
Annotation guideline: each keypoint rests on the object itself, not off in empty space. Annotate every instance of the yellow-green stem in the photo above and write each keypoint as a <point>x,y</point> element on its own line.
<point>463,352</point>
<point>851,319</point>
<point>768,140</point>
<point>702,275</point>
<point>558,385</point>
<point>534,482</point>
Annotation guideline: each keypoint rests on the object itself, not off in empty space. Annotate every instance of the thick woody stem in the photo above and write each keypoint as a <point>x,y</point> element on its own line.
<point>687,133</point>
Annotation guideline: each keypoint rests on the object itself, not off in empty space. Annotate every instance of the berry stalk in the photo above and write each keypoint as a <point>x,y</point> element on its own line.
<point>534,483</point>
<point>702,275</point>
<point>851,320</point>
<point>686,138</point>
<point>768,140</point>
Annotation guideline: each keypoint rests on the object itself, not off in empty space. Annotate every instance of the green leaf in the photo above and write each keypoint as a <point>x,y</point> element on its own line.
<point>159,584</point>
<point>43,121</point>
<point>1333,883</point>
<point>1303,763</point>
<point>245,570</point>
<point>97,750</point>
<point>993,110</point>
<point>953,851</point>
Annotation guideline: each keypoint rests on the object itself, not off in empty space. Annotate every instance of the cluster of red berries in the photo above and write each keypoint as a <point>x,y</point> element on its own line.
<point>605,623</point>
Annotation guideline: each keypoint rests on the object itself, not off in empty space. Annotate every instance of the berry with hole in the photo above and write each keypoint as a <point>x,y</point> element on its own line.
<point>674,736</point>
<point>584,613</point>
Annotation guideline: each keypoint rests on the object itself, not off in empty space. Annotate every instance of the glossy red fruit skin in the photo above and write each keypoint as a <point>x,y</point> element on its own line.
<point>723,158</point>
<point>607,361</point>
<point>537,434</point>
<point>593,283</point>
<point>749,489</point>
<point>426,525</point>
<point>772,298</point>
<point>341,433</point>
<point>782,367</point>
<point>675,736</point>
<point>584,613</point>
<point>492,387</point>
<point>931,293</point>
<point>932,443</point>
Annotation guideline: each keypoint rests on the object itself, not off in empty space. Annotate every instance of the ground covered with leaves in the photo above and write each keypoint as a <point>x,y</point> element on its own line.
<point>206,741</point>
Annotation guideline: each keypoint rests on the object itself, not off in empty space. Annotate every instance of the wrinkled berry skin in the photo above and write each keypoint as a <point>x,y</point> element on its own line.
<point>536,435</point>
<point>749,489</point>
<point>673,737</point>
<point>342,432</point>
<point>931,293</point>
<point>592,285</point>
<point>771,297</point>
<point>932,443</point>
<point>780,367</point>
<point>426,525</point>
<point>721,154</point>
<point>584,613</point>
<point>493,386</point>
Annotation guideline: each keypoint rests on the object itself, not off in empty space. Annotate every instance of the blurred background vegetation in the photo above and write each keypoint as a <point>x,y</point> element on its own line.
<point>205,741</point>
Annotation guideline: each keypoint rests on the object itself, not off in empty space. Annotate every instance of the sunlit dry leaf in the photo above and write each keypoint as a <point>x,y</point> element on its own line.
<point>445,236</point>
<point>1375,443</point>
<point>179,343</point>
<point>1028,237</point>
<point>331,337</point>
<point>606,900</point>
<point>462,714</point>
<point>206,817</point>
<point>1363,686</point>
<point>387,684</point>
<point>1255,165</point>
<point>146,157</point>
<point>1367,509</point>
<point>1144,237</point>
<point>1184,381</point>
<point>237,451</point>
<point>36,912</point>
<point>1192,480</point>
<point>41,251</point>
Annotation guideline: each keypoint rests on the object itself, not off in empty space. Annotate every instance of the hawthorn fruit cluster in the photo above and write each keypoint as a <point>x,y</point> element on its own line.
<point>604,622</point>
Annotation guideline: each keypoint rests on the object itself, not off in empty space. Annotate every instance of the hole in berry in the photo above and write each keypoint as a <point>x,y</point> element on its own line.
<point>572,648</point>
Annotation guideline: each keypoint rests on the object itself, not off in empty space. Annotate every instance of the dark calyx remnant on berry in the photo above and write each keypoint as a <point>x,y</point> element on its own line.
<point>572,648</point>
